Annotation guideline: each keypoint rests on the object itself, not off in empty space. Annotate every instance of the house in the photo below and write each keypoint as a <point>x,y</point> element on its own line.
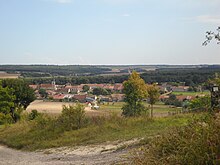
<point>90,100</point>
<point>105,98</point>
<point>48,86</point>
<point>74,89</point>
<point>180,88</point>
<point>58,97</point>
<point>34,87</point>
<point>93,86</point>
<point>117,97</point>
<point>80,98</point>
<point>163,97</point>
<point>118,87</point>
<point>109,87</point>
<point>183,98</point>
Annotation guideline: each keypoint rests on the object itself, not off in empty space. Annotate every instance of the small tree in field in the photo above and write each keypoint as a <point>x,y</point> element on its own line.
<point>153,95</point>
<point>73,117</point>
<point>135,91</point>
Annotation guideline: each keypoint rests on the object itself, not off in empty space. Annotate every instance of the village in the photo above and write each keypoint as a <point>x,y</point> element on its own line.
<point>92,95</point>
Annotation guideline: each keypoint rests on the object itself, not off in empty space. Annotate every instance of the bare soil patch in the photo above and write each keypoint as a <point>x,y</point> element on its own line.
<point>4,75</point>
<point>56,108</point>
<point>103,154</point>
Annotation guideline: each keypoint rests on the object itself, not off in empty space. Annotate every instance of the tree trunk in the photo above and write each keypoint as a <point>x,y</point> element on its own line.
<point>151,111</point>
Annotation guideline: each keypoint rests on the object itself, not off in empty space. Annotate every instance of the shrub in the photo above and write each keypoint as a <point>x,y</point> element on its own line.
<point>201,103</point>
<point>196,143</point>
<point>33,115</point>
<point>72,117</point>
<point>5,119</point>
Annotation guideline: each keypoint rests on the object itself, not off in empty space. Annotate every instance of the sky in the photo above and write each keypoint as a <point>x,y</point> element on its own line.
<point>96,32</point>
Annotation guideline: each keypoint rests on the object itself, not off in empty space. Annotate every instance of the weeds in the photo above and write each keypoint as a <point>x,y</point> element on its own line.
<point>196,143</point>
<point>46,132</point>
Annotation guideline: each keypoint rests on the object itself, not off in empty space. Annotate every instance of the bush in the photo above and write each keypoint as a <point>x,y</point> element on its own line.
<point>72,117</point>
<point>5,119</point>
<point>196,143</point>
<point>201,103</point>
<point>33,115</point>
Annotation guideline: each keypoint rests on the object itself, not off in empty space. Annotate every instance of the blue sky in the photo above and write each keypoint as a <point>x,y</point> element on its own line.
<point>108,31</point>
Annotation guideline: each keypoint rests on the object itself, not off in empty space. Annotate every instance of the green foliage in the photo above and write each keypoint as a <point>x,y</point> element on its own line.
<point>135,91</point>
<point>24,94</point>
<point>5,119</point>
<point>100,91</point>
<point>47,132</point>
<point>86,88</point>
<point>212,35</point>
<point>200,104</point>
<point>153,95</point>
<point>6,100</point>
<point>72,117</point>
<point>198,143</point>
<point>172,100</point>
<point>33,115</point>
<point>6,105</point>
<point>43,93</point>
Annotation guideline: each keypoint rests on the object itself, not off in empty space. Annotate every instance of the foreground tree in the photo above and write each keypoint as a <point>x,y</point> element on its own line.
<point>135,91</point>
<point>153,95</point>
<point>24,94</point>
<point>6,105</point>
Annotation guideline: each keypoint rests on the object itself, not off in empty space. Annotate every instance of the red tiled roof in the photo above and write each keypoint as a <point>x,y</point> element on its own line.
<point>59,97</point>
<point>80,97</point>
<point>33,86</point>
<point>46,86</point>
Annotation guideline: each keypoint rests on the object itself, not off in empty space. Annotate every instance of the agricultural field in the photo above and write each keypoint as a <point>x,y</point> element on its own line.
<point>4,75</point>
<point>191,93</point>
<point>55,108</point>
<point>160,109</point>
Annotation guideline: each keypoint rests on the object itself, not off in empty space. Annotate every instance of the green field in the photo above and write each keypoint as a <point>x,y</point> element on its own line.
<point>191,93</point>
<point>159,108</point>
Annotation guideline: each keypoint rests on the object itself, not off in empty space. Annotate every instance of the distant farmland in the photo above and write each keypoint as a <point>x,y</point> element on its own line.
<point>4,75</point>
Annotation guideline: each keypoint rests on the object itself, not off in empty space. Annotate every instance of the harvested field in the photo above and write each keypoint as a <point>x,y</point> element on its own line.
<point>56,108</point>
<point>4,75</point>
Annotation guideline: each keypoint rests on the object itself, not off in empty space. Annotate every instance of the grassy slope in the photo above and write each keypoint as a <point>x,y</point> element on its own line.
<point>32,136</point>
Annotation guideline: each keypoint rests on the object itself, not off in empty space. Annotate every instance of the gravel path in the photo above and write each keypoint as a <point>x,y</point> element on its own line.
<point>62,156</point>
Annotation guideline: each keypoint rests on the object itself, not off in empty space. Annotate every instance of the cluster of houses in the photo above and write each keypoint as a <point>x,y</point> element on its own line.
<point>70,92</point>
<point>165,87</point>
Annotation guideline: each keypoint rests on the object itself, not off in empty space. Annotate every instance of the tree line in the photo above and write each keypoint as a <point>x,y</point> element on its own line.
<point>191,77</point>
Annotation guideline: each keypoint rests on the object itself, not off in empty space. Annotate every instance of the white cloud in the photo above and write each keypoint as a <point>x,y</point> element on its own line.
<point>59,1</point>
<point>126,15</point>
<point>63,1</point>
<point>207,19</point>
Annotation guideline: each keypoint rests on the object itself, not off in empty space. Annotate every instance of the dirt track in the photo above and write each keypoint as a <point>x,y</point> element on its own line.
<point>83,155</point>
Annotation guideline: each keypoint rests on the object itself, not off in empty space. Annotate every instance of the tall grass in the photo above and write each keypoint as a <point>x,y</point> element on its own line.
<point>46,132</point>
<point>198,143</point>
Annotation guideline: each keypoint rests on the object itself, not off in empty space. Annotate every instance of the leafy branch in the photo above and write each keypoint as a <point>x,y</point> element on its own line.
<point>212,35</point>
